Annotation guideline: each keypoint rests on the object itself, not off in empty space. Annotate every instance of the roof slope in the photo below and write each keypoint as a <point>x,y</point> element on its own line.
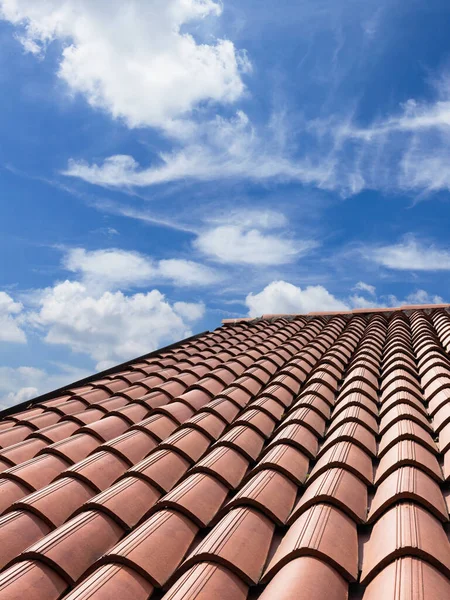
<point>284,458</point>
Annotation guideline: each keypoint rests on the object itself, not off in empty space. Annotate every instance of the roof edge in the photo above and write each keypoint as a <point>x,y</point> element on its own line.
<point>10,410</point>
<point>355,311</point>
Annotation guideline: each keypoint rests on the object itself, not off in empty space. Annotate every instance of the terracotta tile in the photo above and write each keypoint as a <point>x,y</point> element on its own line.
<point>315,402</point>
<point>322,531</point>
<point>354,413</point>
<point>188,442</point>
<point>446,466</point>
<point>405,529</point>
<point>159,426</point>
<point>243,439</point>
<point>338,487</point>
<point>131,446</point>
<point>133,413</point>
<point>56,502</point>
<point>74,448</point>
<point>162,469</point>
<point>268,491</point>
<point>298,436</point>
<point>99,470</point>
<point>112,581</point>
<point>56,433</point>
<point>10,491</point>
<point>408,483</point>
<point>126,502</point>
<point>408,452</point>
<point>307,417</point>
<point>404,411</point>
<point>360,387</point>
<point>439,400</point>
<point>354,432</point>
<point>287,460</point>
<point>72,548</point>
<point>18,453</point>
<point>444,438</point>
<point>40,582</point>
<point>107,428</point>
<point>207,423</point>
<point>155,548</point>
<point>240,542</point>
<point>441,418</point>
<point>306,578</point>
<point>225,409</point>
<point>406,430</point>
<point>86,417</point>
<point>199,496</point>
<point>348,456</point>
<point>407,578</point>
<point>14,435</point>
<point>36,472</point>
<point>227,465</point>
<point>18,530</point>
<point>206,581</point>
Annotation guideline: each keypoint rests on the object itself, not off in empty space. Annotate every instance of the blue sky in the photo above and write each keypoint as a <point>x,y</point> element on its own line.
<point>168,163</point>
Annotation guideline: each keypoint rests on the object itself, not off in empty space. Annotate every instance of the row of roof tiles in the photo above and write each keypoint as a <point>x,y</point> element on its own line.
<point>262,459</point>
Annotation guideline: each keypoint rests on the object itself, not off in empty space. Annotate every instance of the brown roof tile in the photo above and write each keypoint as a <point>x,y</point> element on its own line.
<point>237,464</point>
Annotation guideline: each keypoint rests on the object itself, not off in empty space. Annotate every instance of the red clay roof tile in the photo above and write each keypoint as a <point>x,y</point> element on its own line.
<point>202,453</point>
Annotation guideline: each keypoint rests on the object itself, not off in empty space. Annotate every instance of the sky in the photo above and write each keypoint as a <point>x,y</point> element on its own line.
<point>165,164</point>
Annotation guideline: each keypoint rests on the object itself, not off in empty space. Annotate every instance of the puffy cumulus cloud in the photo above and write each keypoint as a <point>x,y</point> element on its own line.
<point>248,238</point>
<point>110,327</point>
<point>18,384</point>
<point>284,297</point>
<point>416,297</point>
<point>10,320</point>
<point>411,255</point>
<point>135,59</point>
<point>113,268</point>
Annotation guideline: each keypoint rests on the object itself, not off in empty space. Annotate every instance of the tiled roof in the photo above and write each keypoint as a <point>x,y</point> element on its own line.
<point>288,457</point>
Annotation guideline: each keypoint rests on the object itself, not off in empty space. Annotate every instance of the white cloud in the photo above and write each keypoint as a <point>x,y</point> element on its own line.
<point>110,327</point>
<point>365,287</point>
<point>10,320</point>
<point>281,297</point>
<point>189,310</point>
<point>247,237</point>
<point>284,297</point>
<point>234,244</point>
<point>410,255</point>
<point>186,272</point>
<point>417,297</point>
<point>134,59</point>
<point>216,149</point>
<point>112,268</point>
<point>361,302</point>
<point>18,384</point>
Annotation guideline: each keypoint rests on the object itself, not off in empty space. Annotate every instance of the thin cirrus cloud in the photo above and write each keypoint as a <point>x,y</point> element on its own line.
<point>410,255</point>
